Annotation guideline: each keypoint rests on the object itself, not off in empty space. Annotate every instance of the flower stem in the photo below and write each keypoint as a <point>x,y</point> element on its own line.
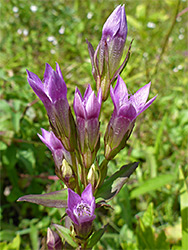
<point>74,165</point>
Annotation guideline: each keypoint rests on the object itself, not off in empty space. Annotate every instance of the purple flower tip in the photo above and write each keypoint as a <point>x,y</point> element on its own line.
<point>116,24</point>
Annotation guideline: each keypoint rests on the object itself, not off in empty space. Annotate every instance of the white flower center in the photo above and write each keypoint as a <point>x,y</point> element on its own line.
<point>82,209</point>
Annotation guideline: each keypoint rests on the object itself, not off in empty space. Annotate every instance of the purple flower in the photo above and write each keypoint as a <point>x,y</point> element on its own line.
<point>53,240</point>
<point>81,210</point>
<point>61,156</point>
<point>105,60</point>
<point>126,109</point>
<point>53,93</point>
<point>87,110</point>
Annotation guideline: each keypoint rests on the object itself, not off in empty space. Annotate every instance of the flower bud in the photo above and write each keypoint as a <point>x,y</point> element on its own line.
<point>93,176</point>
<point>106,58</point>
<point>67,175</point>
<point>53,240</point>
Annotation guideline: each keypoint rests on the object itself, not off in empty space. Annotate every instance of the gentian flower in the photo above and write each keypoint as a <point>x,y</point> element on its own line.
<point>81,211</point>
<point>53,240</point>
<point>87,110</point>
<point>62,157</point>
<point>126,110</point>
<point>53,93</point>
<point>105,60</point>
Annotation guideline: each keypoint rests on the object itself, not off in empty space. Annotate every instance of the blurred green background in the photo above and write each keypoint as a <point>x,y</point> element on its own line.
<point>150,210</point>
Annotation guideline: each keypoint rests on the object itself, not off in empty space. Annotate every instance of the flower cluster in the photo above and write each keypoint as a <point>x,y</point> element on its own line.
<point>74,139</point>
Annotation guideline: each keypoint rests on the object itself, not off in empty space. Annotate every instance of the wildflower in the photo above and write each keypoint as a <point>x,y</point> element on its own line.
<point>87,110</point>
<point>81,211</point>
<point>124,115</point>
<point>105,60</point>
<point>53,94</point>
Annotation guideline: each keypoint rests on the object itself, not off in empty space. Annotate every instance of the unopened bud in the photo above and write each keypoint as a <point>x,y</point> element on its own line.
<point>93,176</point>
<point>66,170</point>
<point>53,240</point>
<point>67,174</point>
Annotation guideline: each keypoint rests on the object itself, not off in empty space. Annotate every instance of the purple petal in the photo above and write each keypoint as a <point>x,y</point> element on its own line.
<point>87,194</point>
<point>47,74</point>
<point>72,216</point>
<point>147,104</point>
<point>92,106</point>
<point>78,105</point>
<point>128,110</point>
<point>35,78</point>
<point>73,199</point>
<point>87,93</point>
<point>38,88</point>
<point>81,129</point>
<point>120,127</point>
<point>56,87</point>
<point>50,140</point>
<point>93,132</point>
<point>112,24</point>
<point>116,24</point>
<point>120,91</point>
<point>119,94</point>
<point>86,218</point>
<point>58,70</point>
<point>141,96</point>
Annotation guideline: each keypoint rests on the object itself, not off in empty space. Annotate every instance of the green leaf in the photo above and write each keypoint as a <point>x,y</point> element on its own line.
<point>56,199</point>
<point>113,184</point>
<point>152,184</point>
<point>64,233</point>
<point>148,216</point>
<point>184,208</point>
<point>7,235</point>
<point>13,245</point>
<point>161,242</point>
<point>34,237</point>
<point>95,237</point>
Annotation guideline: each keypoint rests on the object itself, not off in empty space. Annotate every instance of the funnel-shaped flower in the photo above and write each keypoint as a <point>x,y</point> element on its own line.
<point>81,210</point>
<point>53,240</point>
<point>53,93</point>
<point>87,110</point>
<point>60,154</point>
<point>124,115</point>
<point>105,60</point>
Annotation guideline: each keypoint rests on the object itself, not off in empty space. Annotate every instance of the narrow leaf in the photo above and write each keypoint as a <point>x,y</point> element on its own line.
<point>64,233</point>
<point>56,199</point>
<point>96,237</point>
<point>113,184</point>
<point>184,208</point>
<point>152,184</point>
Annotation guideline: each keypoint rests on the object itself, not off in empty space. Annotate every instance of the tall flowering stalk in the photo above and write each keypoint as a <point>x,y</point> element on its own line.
<point>75,145</point>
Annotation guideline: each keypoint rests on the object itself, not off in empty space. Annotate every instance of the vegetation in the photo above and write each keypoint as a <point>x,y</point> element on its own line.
<point>151,211</point>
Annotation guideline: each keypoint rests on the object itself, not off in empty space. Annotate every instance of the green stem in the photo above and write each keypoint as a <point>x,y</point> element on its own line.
<point>74,165</point>
<point>103,171</point>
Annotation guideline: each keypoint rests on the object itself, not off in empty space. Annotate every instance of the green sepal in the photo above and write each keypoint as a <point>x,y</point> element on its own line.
<point>65,234</point>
